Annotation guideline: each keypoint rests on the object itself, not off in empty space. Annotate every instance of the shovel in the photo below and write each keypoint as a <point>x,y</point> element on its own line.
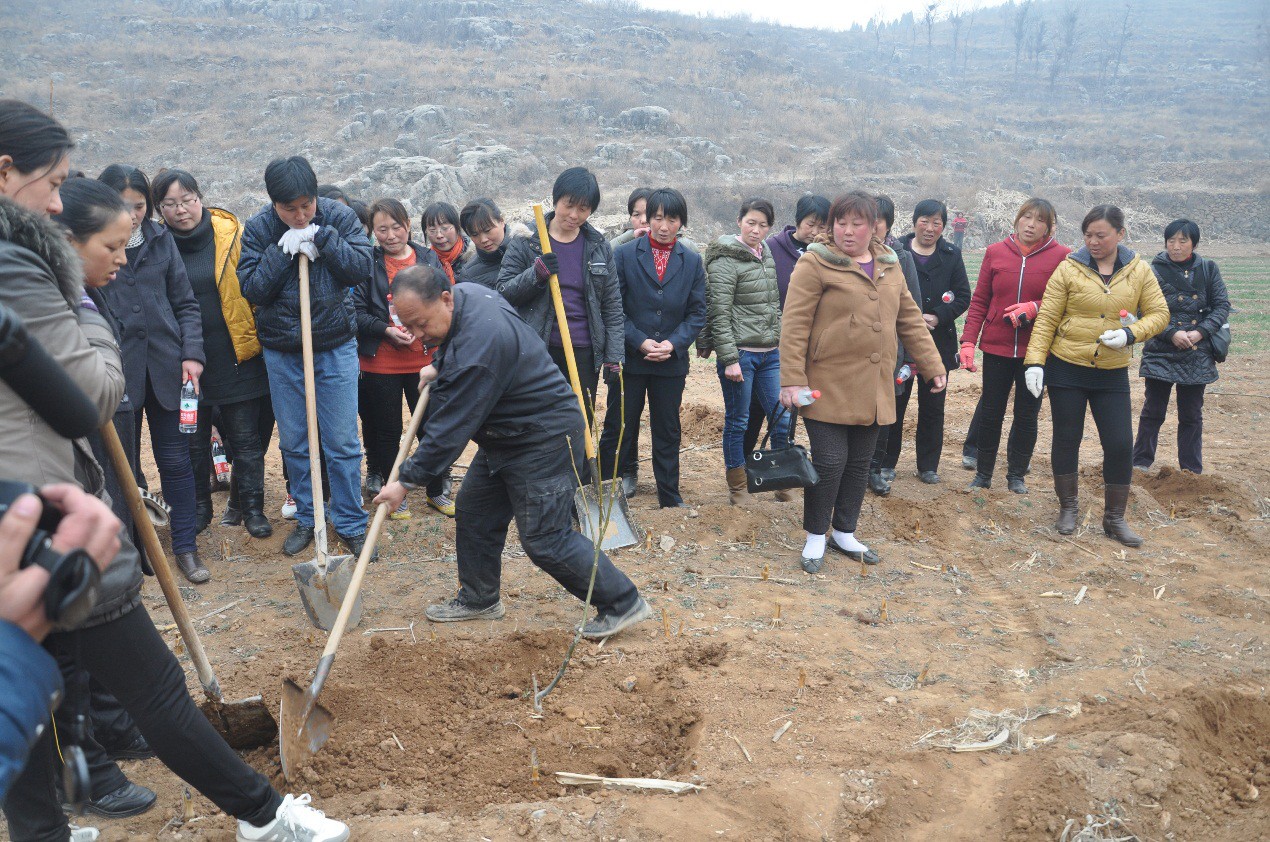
<point>244,724</point>
<point>620,529</point>
<point>304,726</point>
<point>323,582</point>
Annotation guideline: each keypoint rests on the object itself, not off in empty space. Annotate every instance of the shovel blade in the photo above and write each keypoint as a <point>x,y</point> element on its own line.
<point>621,530</point>
<point>322,595</point>
<point>245,724</point>
<point>300,737</point>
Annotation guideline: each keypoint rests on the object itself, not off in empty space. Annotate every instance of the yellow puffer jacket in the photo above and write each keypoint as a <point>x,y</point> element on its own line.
<point>1078,307</point>
<point>239,317</point>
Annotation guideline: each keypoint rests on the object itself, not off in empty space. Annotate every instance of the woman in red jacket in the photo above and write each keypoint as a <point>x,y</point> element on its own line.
<point>1011,282</point>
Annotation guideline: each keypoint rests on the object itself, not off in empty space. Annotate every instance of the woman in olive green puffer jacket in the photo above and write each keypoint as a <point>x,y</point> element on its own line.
<point>743,326</point>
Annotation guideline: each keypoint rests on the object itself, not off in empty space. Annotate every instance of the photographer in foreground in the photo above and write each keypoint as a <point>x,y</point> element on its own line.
<point>30,684</point>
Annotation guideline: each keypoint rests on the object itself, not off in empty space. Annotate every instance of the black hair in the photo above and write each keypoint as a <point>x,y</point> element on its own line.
<point>439,213</point>
<point>1182,226</point>
<point>363,212</point>
<point>1111,214</point>
<point>33,139</point>
<point>855,202</point>
<point>811,205</point>
<point>761,205</point>
<point>166,178</point>
<point>123,177</point>
<point>667,201</point>
<point>88,206</point>
<point>393,209</point>
<point>427,282</point>
<point>578,185</point>
<point>886,210</point>
<point>930,207</point>
<point>288,179</point>
<point>479,215</point>
<point>637,194</point>
<point>330,191</point>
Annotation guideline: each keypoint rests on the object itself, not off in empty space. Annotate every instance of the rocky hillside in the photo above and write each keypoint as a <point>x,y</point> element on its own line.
<point>1161,109</point>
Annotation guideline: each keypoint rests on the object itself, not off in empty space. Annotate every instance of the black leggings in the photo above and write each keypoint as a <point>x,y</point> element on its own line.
<point>999,375</point>
<point>133,663</point>
<point>841,455</point>
<point>1113,417</point>
<point>379,404</point>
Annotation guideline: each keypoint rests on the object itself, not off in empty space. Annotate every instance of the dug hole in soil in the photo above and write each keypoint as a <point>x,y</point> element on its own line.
<point>798,702</point>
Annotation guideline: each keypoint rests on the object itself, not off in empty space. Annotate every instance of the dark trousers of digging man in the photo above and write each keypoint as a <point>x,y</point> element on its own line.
<point>535,486</point>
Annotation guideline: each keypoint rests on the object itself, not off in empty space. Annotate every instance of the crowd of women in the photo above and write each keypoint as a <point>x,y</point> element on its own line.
<point>141,287</point>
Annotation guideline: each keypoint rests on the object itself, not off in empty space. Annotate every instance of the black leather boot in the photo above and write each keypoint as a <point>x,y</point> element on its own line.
<point>1067,487</point>
<point>254,519</point>
<point>233,512</point>
<point>1115,501</point>
<point>192,567</point>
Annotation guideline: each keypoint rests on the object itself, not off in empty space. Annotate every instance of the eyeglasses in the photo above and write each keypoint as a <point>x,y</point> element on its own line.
<point>439,229</point>
<point>169,205</point>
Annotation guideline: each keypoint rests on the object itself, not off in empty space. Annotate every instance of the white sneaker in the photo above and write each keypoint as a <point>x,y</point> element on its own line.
<point>84,834</point>
<point>296,821</point>
<point>288,508</point>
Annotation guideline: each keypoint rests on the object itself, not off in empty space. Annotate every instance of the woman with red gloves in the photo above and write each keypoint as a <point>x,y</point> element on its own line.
<point>1002,310</point>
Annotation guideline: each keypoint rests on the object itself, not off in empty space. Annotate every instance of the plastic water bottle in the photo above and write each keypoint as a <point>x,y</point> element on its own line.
<point>392,313</point>
<point>189,408</point>
<point>1127,318</point>
<point>906,371</point>
<point>808,396</point>
<point>219,461</point>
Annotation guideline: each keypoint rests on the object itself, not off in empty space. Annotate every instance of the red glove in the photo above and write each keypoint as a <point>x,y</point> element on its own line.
<point>967,357</point>
<point>1020,314</point>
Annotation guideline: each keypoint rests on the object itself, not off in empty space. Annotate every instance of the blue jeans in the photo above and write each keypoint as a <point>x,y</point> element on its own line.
<point>761,373</point>
<point>172,458</point>
<point>335,378</point>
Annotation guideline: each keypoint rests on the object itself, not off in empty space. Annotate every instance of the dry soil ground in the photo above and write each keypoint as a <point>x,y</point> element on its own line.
<point>1149,693</point>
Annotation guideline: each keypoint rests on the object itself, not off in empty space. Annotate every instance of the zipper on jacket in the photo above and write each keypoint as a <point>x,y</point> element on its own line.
<point>1019,300</point>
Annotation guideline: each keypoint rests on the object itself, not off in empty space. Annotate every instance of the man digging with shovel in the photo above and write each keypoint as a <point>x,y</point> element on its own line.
<point>495,384</point>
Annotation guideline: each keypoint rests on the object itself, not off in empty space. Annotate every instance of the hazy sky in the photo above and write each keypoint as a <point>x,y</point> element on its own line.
<point>827,14</point>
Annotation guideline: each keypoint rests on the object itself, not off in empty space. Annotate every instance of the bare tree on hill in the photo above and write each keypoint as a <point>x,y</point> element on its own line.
<point>1066,52</point>
<point>928,20</point>
<point>1122,40</point>
<point>1020,32</point>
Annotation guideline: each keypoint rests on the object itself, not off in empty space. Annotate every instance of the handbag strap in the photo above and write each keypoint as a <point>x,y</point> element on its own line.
<point>771,425</point>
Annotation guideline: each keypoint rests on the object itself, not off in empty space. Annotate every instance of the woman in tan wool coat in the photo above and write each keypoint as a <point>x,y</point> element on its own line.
<point>847,301</point>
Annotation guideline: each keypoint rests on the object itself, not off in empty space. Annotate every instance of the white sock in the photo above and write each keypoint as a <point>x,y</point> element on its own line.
<point>847,541</point>
<point>815,546</point>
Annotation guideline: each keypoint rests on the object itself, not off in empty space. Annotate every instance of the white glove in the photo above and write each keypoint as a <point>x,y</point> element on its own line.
<point>1117,338</point>
<point>310,249</point>
<point>293,237</point>
<point>1034,378</point>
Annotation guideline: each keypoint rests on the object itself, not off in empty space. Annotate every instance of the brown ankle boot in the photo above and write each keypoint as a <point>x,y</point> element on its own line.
<point>1067,487</point>
<point>737,487</point>
<point>1115,501</point>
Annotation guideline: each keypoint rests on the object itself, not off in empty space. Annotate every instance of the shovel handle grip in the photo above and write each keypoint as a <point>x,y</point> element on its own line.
<point>372,536</point>
<point>159,561</point>
<point>562,322</point>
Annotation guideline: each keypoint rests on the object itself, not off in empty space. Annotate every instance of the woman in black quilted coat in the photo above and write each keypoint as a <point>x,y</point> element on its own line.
<point>1183,354</point>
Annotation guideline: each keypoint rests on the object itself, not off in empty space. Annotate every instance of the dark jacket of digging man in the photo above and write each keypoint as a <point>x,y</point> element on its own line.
<point>497,385</point>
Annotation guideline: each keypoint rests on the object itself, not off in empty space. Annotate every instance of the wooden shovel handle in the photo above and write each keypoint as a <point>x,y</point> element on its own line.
<point>317,490</point>
<point>372,534</point>
<point>159,561</point>
<point>563,323</point>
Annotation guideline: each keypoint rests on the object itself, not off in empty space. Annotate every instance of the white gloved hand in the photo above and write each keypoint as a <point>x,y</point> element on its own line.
<point>293,237</point>
<point>1117,338</point>
<point>1034,378</point>
<point>310,249</point>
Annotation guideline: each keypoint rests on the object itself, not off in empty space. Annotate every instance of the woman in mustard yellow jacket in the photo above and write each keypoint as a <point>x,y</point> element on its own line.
<point>1099,301</point>
<point>234,384</point>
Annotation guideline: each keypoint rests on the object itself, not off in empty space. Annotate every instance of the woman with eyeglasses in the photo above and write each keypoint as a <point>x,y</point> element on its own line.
<point>234,383</point>
<point>162,350</point>
<point>445,237</point>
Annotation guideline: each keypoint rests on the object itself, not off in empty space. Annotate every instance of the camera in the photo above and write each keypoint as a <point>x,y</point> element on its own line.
<point>73,578</point>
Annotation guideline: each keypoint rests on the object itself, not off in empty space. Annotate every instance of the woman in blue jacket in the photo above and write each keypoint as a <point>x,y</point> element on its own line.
<point>162,349</point>
<point>664,299</point>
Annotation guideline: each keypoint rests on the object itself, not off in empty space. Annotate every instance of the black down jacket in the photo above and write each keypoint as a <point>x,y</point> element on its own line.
<point>1197,301</point>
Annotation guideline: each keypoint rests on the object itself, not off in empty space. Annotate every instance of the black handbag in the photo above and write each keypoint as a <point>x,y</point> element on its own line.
<point>780,469</point>
<point>1220,341</point>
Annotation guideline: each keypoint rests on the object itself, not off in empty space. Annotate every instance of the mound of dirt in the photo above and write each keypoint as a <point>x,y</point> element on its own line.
<point>700,424</point>
<point>459,732</point>
<point>1189,493</point>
